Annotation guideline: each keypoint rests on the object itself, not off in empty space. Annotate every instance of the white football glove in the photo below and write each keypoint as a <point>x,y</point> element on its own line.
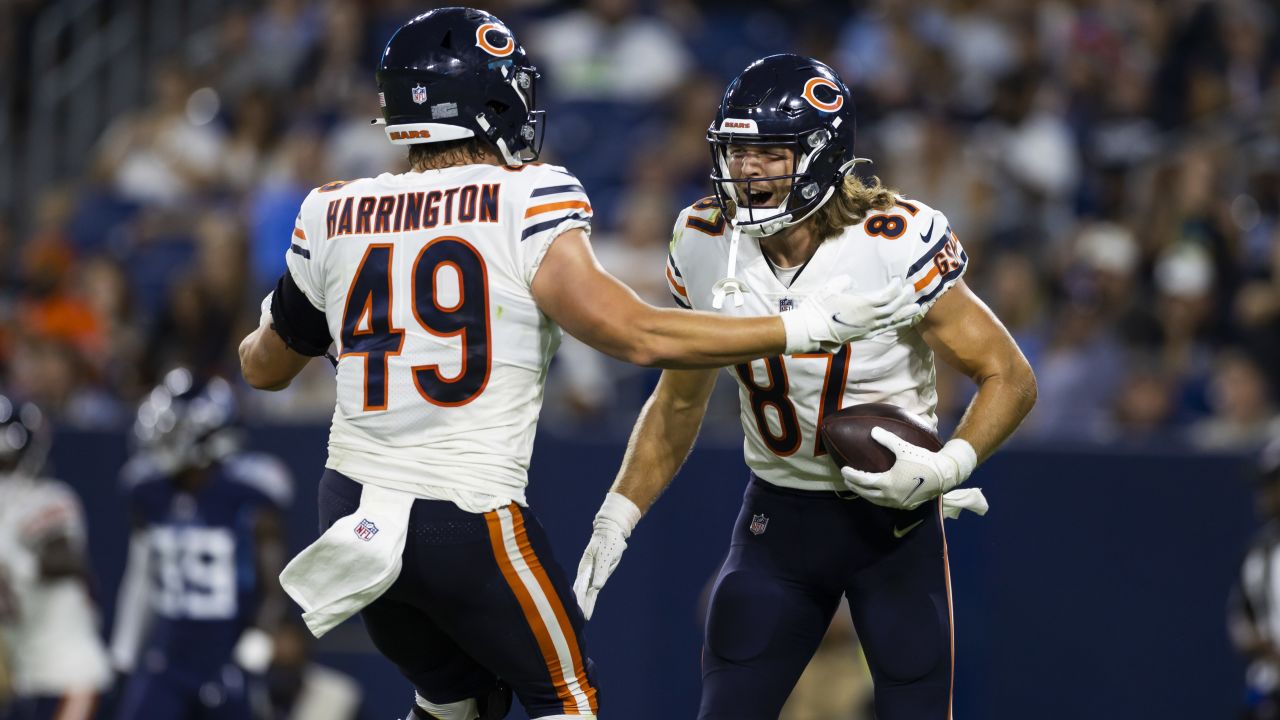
<point>918,475</point>
<point>609,532</point>
<point>832,317</point>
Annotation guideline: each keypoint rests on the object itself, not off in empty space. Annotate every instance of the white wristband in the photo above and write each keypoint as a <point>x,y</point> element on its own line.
<point>799,336</point>
<point>619,510</point>
<point>959,451</point>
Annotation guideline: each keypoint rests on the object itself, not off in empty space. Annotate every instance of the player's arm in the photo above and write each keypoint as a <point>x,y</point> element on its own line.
<point>964,332</point>
<point>967,336</point>
<point>290,332</point>
<point>660,442</point>
<point>595,307</point>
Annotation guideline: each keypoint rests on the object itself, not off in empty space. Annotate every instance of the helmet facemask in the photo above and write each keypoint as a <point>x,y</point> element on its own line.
<point>813,179</point>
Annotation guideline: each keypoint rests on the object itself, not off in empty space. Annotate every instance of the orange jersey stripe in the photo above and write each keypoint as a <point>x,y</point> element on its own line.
<point>297,232</point>
<point>676,284</point>
<point>562,617</point>
<point>530,611</point>
<point>923,282</point>
<point>564,205</point>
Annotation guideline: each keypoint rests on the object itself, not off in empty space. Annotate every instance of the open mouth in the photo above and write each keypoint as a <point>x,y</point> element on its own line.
<point>760,199</point>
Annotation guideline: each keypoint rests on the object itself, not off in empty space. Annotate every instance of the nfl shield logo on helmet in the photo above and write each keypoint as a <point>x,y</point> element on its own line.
<point>759,523</point>
<point>419,94</point>
<point>366,530</point>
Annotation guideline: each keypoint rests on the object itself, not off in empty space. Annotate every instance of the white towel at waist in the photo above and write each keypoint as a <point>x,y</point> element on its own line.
<point>353,562</point>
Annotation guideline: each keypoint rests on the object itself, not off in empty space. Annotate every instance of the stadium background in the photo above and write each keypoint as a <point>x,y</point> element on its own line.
<point>1112,168</point>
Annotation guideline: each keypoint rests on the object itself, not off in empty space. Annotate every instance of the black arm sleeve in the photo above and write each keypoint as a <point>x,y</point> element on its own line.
<point>302,327</point>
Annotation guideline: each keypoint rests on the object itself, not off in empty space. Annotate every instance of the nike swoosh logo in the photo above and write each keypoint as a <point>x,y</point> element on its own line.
<point>928,234</point>
<point>836,319</point>
<point>902,532</point>
<point>919,482</point>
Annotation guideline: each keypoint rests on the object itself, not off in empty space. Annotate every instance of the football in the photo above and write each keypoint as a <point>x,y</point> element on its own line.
<point>846,434</point>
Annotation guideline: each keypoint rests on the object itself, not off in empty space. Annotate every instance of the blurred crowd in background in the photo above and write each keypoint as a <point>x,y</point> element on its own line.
<point>1113,170</point>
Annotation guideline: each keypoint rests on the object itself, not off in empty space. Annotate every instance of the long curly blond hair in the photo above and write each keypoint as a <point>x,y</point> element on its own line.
<point>850,204</point>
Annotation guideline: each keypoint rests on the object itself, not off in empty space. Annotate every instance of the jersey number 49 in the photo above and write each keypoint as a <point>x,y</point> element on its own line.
<point>367,328</point>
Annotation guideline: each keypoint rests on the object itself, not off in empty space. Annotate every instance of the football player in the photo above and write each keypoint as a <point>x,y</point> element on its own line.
<point>786,216</point>
<point>57,660</point>
<point>445,289</point>
<point>199,599</point>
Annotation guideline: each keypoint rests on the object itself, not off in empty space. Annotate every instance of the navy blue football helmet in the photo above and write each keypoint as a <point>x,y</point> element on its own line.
<point>24,437</point>
<point>456,73</point>
<point>792,101</point>
<point>184,424</point>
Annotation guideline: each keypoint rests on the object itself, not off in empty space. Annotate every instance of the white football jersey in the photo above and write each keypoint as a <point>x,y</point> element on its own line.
<point>424,278</point>
<point>783,399</point>
<point>53,640</point>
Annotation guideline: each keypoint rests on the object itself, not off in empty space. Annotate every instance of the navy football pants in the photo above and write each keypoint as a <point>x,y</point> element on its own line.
<point>792,556</point>
<point>480,598</point>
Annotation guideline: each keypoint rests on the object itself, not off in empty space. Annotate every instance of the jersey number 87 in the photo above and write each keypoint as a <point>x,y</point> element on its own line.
<point>367,328</point>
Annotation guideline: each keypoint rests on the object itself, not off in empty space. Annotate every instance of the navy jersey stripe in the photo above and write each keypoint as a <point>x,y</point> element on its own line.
<point>680,302</point>
<point>556,190</point>
<point>295,247</point>
<point>928,256</point>
<point>548,224</point>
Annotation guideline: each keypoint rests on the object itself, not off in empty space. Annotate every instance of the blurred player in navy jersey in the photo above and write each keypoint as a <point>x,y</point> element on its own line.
<point>48,623</point>
<point>199,599</point>
<point>787,215</point>
<point>445,289</point>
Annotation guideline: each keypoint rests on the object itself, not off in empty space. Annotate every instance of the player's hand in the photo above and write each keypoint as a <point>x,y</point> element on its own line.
<point>918,475</point>
<point>832,317</point>
<point>609,532</point>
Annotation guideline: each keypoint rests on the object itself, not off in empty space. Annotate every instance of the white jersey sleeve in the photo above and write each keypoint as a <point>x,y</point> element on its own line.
<point>557,203</point>
<point>926,252</point>
<point>305,256</point>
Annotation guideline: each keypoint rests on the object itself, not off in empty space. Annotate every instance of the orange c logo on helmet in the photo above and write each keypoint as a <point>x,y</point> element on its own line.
<point>482,40</point>
<point>813,100</point>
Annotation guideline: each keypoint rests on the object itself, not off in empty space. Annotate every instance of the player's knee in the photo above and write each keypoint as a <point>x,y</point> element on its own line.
<point>745,607</point>
<point>915,645</point>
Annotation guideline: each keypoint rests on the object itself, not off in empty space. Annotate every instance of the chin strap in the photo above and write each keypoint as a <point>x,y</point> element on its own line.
<point>730,283</point>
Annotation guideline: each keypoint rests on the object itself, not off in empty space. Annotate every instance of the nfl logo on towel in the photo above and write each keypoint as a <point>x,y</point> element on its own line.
<point>758,524</point>
<point>419,94</point>
<point>366,530</point>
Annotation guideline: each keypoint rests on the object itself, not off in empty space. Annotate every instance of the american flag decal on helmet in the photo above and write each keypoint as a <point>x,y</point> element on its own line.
<point>366,530</point>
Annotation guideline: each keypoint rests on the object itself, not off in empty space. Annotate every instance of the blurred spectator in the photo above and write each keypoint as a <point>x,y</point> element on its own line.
<point>167,152</point>
<point>608,50</point>
<point>207,306</point>
<point>1244,411</point>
